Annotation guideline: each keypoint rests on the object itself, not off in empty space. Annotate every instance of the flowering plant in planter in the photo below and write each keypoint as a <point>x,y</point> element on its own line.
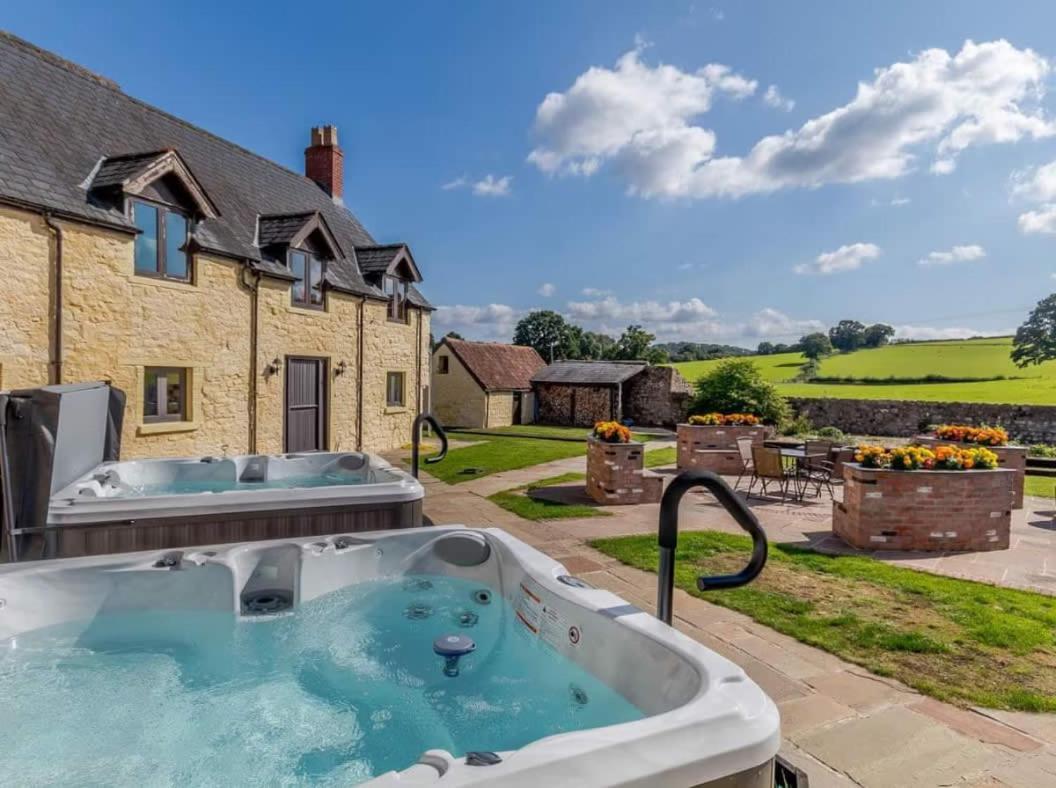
<point>952,458</point>
<point>724,419</point>
<point>611,432</point>
<point>871,456</point>
<point>962,433</point>
<point>911,458</point>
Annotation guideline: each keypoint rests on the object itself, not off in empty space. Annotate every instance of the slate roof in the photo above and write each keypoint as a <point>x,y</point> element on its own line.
<point>588,373</point>
<point>59,121</point>
<point>280,229</point>
<point>376,259</point>
<point>118,169</point>
<point>496,366</point>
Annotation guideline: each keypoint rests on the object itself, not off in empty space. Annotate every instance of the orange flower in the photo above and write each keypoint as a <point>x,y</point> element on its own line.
<point>612,432</point>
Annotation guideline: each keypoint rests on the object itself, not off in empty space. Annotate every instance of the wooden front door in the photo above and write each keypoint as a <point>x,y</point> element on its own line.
<point>306,415</point>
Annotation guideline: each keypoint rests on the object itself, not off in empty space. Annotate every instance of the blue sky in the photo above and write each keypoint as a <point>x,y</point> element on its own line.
<point>628,162</point>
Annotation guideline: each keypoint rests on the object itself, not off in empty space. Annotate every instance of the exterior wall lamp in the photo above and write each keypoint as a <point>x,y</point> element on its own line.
<point>273,367</point>
<point>341,368</point>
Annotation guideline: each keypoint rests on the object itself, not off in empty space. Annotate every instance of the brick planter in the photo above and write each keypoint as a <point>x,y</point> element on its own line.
<point>616,474</point>
<point>1012,457</point>
<point>714,447</point>
<point>924,510</point>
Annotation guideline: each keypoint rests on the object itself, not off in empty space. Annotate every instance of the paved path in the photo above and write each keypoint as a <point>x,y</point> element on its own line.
<point>841,724</point>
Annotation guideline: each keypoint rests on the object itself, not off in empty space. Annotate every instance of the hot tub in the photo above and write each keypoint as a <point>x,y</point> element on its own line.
<point>166,503</point>
<point>437,656</point>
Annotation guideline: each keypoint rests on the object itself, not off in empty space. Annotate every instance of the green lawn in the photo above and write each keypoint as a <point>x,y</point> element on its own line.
<point>956,640</point>
<point>549,431</point>
<point>973,358</point>
<point>492,455</point>
<point>1042,486</point>
<point>521,502</point>
<point>658,457</point>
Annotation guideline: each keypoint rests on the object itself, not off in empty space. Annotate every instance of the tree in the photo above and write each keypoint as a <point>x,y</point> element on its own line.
<point>815,345</point>
<point>1035,340</point>
<point>633,344</point>
<point>847,335</point>
<point>877,335</point>
<point>595,346</point>
<point>765,348</point>
<point>453,335</point>
<point>736,386</point>
<point>550,334</point>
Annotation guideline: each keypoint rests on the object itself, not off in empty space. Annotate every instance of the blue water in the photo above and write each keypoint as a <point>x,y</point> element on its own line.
<point>191,486</point>
<point>345,689</point>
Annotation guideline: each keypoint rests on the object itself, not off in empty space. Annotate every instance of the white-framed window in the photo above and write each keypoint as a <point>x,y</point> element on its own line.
<point>395,388</point>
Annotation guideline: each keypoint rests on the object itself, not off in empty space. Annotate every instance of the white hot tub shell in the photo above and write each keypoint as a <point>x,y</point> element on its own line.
<point>704,723</point>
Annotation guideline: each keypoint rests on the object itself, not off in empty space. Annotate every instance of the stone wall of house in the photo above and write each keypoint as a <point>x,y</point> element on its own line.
<point>25,268</point>
<point>500,409</point>
<point>116,323</point>
<point>1025,423</point>
<point>924,510</point>
<point>458,400</point>
<point>576,406</point>
<point>656,396</point>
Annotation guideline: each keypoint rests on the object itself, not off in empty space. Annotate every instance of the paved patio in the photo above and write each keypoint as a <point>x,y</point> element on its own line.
<point>841,724</point>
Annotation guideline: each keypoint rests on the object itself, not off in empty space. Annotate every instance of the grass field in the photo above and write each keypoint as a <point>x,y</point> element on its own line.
<point>956,640</point>
<point>491,455</point>
<point>972,358</point>
<point>521,502</point>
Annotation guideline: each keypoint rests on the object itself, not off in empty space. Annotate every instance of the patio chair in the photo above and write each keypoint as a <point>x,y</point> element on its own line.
<point>768,468</point>
<point>817,467</point>
<point>744,446</point>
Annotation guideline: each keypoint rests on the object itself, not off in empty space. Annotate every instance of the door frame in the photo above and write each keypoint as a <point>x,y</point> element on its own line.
<point>323,392</point>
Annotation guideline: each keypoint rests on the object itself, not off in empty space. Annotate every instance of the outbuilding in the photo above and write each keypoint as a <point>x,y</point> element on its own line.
<point>483,384</point>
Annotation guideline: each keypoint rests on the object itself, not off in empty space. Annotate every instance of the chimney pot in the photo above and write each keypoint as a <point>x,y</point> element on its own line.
<point>324,161</point>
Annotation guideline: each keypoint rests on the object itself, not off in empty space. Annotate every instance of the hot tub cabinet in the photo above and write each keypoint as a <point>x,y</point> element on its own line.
<point>924,510</point>
<point>708,447</point>
<point>616,474</point>
<point>1012,457</point>
<point>121,507</point>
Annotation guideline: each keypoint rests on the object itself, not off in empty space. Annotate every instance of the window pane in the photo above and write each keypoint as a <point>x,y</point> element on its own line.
<point>297,269</point>
<point>316,280</point>
<point>150,393</point>
<point>146,219</point>
<point>174,393</point>
<point>394,395</point>
<point>175,240</point>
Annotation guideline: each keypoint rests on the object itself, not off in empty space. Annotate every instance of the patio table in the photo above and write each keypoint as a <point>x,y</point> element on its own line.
<point>796,458</point>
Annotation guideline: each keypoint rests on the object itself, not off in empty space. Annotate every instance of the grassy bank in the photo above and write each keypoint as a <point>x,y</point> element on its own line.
<point>985,359</point>
<point>490,455</point>
<point>956,640</point>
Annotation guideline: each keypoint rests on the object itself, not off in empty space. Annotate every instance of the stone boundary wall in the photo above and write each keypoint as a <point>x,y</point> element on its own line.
<point>924,510</point>
<point>616,474</point>
<point>1012,457</point>
<point>905,418</point>
<point>712,447</point>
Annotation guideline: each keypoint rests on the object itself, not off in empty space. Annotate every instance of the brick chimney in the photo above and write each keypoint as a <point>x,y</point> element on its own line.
<point>324,161</point>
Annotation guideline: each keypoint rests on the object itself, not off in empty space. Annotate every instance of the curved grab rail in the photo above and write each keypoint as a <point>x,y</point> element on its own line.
<point>416,440</point>
<point>668,537</point>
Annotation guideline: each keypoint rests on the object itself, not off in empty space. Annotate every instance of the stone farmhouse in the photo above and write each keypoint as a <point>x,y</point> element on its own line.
<point>241,306</point>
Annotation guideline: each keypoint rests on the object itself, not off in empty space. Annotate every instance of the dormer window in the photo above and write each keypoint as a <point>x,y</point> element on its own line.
<point>308,285</point>
<point>161,245</point>
<point>396,292</point>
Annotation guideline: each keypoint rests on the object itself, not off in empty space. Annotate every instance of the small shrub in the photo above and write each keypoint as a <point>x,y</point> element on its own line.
<point>800,425</point>
<point>1042,450</point>
<point>736,386</point>
<point>809,371</point>
<point>832,433</point>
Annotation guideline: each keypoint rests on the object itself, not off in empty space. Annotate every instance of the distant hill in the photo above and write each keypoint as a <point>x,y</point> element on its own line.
<point>975,370</point>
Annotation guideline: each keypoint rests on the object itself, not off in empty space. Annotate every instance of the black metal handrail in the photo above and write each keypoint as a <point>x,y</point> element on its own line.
<point>416,440</point>
<point>668,537</point>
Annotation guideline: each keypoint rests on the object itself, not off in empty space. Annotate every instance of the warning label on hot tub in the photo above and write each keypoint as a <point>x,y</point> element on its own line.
<point>542,619</point>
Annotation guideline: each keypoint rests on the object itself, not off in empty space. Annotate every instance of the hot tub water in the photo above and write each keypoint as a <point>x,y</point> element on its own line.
<point>346,687</point>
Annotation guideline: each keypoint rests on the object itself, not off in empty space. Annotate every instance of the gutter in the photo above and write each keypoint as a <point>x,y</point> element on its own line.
<point>55,362</point>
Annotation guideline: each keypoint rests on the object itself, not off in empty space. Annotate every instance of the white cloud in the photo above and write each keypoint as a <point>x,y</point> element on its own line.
<point>611,308</point>
<point>491,321</point>
<point>930,332</point>
<point>958,254</point>
<point>593,292</point>
<point>770,322</point>
<point>547,289</point>
<point>488,186</point>
<point>773,98</point>
<point>1042,220</point>
<point>848,257</point>
<point>898,202</point>
<point>639,118</point>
